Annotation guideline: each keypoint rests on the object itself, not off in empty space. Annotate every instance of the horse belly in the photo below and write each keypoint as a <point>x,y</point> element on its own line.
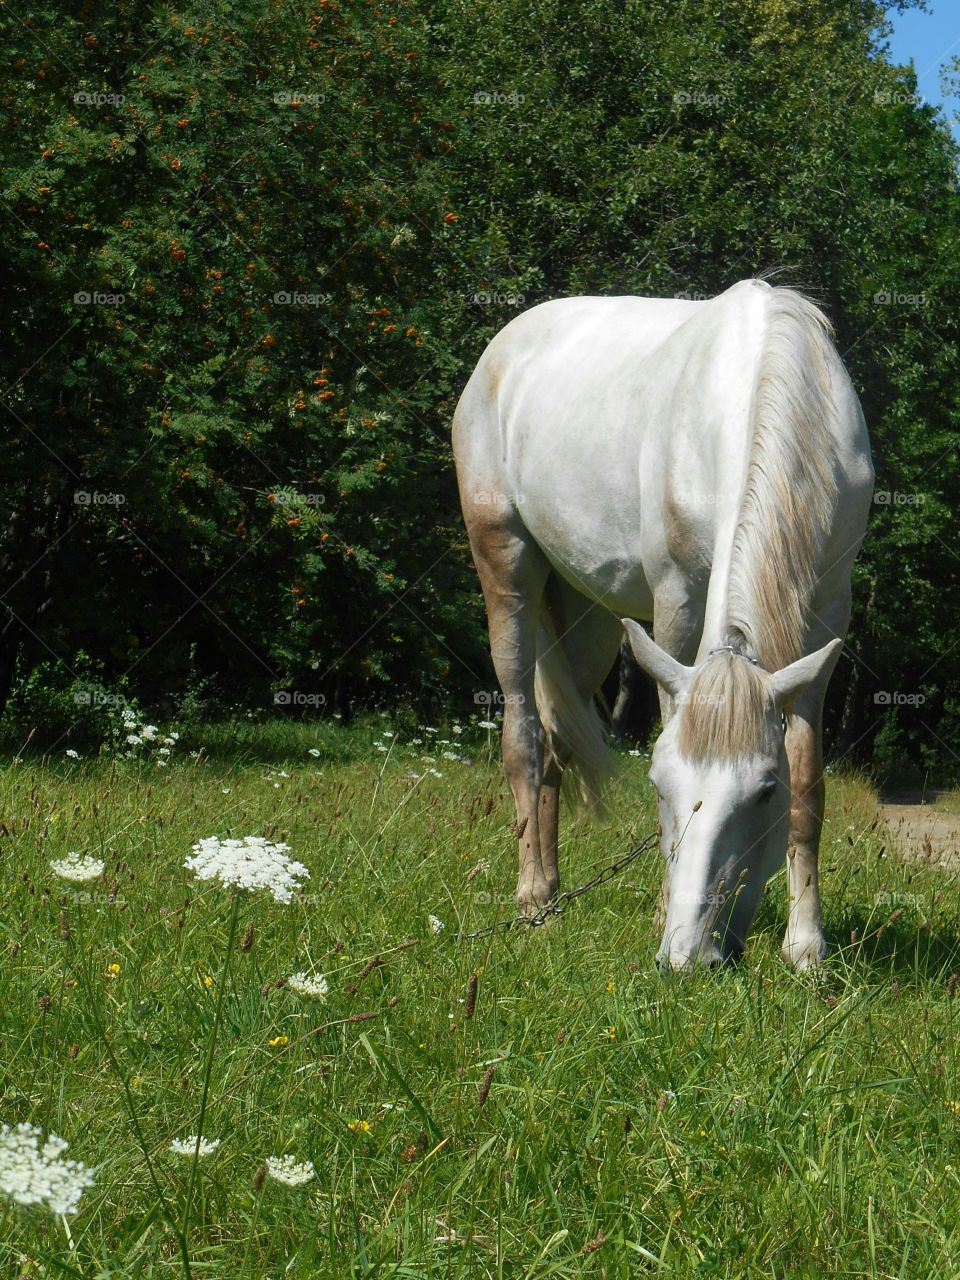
<point>581,503</point>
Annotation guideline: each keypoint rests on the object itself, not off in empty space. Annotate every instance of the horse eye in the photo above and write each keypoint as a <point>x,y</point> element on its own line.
<point>767,790</point>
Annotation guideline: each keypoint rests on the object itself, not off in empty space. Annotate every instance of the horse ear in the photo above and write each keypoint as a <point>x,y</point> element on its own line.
<point>656,662</point>
<point>803,673</point>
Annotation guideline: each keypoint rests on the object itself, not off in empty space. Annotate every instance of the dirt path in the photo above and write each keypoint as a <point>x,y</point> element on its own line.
<point>920,832</point>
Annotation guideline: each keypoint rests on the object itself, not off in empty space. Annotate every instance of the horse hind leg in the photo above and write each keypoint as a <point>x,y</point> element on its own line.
<point>513,572</point>
<point>589,635</point>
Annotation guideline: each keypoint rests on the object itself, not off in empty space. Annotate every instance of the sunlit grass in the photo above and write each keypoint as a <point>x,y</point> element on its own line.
<point>751,1123</point>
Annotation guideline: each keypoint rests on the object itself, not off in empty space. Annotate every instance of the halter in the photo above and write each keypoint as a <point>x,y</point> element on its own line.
<point>728,648</point>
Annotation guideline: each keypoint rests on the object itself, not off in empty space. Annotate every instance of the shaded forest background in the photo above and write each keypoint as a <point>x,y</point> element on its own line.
<point>252,252</point>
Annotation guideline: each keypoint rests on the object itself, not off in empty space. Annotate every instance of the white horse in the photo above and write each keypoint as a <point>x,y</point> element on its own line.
<point>703,466</point>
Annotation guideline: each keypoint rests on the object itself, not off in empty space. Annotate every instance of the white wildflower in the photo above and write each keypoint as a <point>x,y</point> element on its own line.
<point>436,924</point>
<point>416,742</point>
<point>450,755</point>
<point>74,755</point>
<point>149,732</point>
<point>250,863</point>
<point>488,724</point>
<point>289,1171</point>
<point>187,1146</point>
<point>31,1174</point>
<point>133,739</point>
<point>309,987</point>
<point>77,867</point>
<point>435,773</point>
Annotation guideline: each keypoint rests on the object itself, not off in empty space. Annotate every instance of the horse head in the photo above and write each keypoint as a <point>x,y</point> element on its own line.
<point>722,776</point>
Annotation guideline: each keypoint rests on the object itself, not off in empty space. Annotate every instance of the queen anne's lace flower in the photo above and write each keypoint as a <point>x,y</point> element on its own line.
<point>310,987</point>
<point>250,863</point>
<point>289,1171</point>
<point>31,1174</point>
<point>187,1146</point>
<point>77,867</point>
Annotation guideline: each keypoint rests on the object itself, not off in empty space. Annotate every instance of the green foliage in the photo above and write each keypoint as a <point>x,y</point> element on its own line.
<point>301,226</point>
<point>55,703</point>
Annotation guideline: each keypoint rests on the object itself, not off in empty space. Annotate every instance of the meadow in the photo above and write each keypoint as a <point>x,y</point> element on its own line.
<point>540,1103</point>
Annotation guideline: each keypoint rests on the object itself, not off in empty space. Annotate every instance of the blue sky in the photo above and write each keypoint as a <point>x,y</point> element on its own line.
<point>929,40</point>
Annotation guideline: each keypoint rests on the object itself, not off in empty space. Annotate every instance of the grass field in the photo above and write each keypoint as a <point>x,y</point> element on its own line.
<point>742,1124</point>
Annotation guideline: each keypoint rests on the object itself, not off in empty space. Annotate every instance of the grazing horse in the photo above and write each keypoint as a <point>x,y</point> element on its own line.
<point>704,467</point>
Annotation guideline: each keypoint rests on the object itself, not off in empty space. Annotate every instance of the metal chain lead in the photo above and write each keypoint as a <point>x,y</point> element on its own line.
<point>563,900</point>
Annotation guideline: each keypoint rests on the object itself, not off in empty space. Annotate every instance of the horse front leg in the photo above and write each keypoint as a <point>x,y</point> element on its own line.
<point>804,945</point>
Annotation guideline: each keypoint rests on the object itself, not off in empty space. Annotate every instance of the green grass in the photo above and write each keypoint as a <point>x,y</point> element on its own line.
<point>743,1124</point>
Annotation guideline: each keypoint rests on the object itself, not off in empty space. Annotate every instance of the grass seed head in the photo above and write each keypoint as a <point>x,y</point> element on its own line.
<point>470,1000</point>
<point>484,1092</point>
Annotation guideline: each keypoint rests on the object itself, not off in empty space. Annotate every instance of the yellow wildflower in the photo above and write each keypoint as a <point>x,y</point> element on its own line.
<point>359,1126</point>
<point>279,1041</point>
